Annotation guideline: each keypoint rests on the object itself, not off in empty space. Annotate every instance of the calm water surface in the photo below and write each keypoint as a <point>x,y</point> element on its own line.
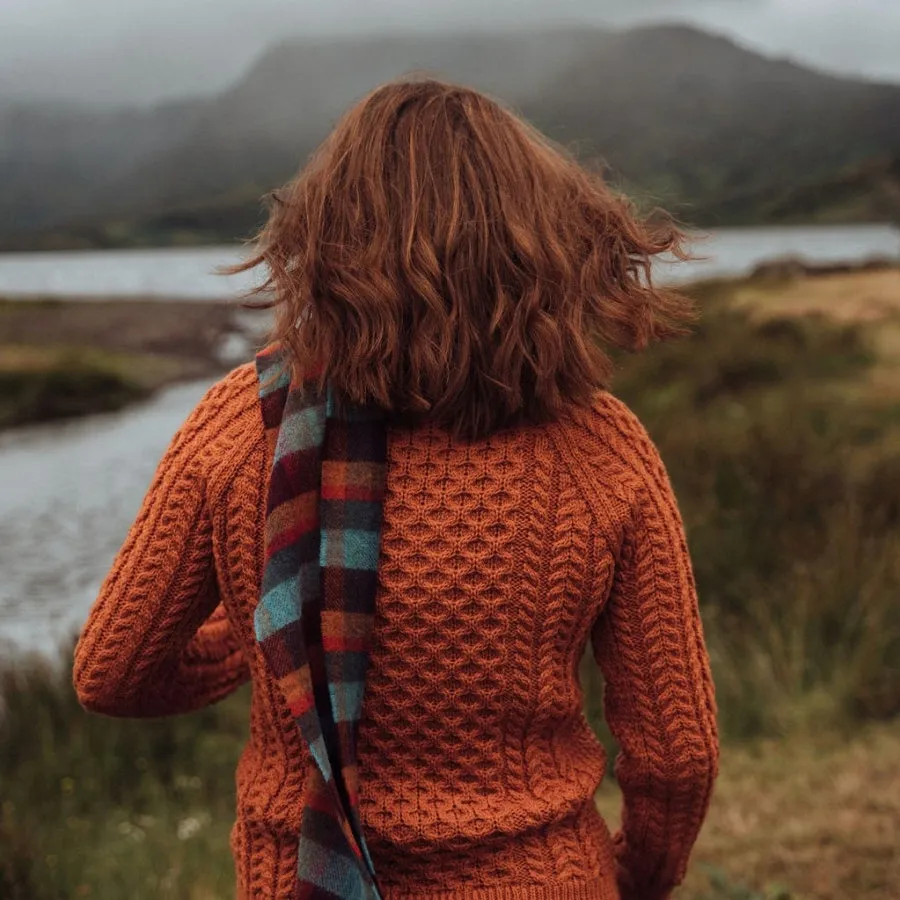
<point>69,492</point>
<point>191,272</point>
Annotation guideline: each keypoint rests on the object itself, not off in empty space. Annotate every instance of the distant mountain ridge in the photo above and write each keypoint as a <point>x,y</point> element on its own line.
<point>687,119</point>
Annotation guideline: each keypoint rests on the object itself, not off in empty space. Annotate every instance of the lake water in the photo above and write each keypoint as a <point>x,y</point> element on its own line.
<point>190,272</point>
<point>68,492</point>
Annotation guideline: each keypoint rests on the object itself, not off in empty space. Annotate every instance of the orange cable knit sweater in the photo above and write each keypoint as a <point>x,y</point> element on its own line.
<point>499,561</point>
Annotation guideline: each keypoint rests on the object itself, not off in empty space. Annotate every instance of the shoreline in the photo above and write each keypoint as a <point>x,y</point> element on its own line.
<point>67,357</point>
<point>65,242</point>
<point>63,358</point>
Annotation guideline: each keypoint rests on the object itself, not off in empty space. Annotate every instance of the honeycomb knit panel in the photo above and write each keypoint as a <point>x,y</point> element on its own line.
<point>501,560</point>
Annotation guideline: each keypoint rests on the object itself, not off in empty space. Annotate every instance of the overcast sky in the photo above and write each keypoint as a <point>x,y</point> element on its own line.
<point>145,50</point>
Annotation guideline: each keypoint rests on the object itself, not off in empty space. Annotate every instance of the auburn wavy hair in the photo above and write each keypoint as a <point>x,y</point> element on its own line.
<point>442,259</point>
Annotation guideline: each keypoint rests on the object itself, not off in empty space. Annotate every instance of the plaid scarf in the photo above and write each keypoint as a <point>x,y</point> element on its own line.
<point>316,611</point>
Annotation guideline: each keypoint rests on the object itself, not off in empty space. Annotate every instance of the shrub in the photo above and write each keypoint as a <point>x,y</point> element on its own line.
<point>790,490</point>
<point>65,385</point>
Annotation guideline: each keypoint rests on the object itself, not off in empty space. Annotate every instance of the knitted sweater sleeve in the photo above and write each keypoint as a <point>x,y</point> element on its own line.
<point>157,642</point>
<point>659,701</point>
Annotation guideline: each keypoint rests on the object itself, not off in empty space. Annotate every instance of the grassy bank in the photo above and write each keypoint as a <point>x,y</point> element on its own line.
<point>780,424</point>
<point>65,358</point>
<point>782,437</point>
<point>38,385</point>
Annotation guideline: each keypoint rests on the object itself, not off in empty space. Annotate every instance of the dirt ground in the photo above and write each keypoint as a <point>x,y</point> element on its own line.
<point>818,817</point>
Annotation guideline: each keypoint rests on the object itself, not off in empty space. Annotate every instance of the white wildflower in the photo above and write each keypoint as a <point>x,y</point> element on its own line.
<point>191,826</point>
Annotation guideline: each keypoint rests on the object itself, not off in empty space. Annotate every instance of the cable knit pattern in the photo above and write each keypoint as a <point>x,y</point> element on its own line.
<point>500,560</point>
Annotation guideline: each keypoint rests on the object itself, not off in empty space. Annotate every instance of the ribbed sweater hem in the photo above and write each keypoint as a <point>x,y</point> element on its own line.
<point>599,889</point>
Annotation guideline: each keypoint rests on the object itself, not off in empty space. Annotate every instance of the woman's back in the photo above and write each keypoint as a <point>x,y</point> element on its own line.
<point>405,525</point>
<point>499,560</point>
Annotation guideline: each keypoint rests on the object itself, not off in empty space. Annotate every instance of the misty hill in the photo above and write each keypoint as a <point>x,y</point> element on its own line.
<point>55,160</point>
<point>868,192</point>
<point>681,117</point>
<point>693,119</point>
<point>262,129</point>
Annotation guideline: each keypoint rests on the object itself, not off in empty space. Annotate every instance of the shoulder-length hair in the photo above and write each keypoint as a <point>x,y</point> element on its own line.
<point>441,259</point>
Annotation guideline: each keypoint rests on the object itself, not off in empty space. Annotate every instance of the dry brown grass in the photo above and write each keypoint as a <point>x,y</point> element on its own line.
<point>152,370</point>
<point>156,327</point>
<point>864,296</point>
<point>820,816</point>
<point>103,354</point>
<point>867,298</point>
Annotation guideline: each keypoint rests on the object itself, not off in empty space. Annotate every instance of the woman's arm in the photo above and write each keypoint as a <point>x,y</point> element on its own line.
<point>156,641</point>
<point>211,667</point>
<point>659,700</point>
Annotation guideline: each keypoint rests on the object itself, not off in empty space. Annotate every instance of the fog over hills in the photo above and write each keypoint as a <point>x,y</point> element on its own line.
<point>680,116</point>
<point>142,52</point>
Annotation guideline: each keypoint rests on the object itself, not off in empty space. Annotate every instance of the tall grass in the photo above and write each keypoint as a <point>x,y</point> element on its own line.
<point>790,490</point>
<point>104,808</point>
<point>789,484</point>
